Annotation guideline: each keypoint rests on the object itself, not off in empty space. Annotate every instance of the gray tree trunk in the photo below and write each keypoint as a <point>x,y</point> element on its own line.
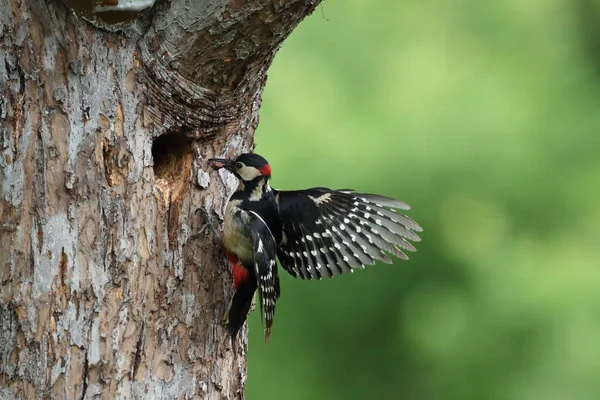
<point>107,113</point>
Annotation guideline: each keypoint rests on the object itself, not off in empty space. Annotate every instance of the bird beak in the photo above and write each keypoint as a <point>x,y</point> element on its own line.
<point>218,163</point>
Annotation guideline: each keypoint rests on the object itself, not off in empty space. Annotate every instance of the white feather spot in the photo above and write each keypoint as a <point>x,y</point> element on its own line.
<point>313,252</point>
<point>342,227</point>
<point>367,215</point>
<point>324,198</point>
<point>358,230</point>
<point>309,238</point>
<point>260,246</point>
<point>346,221</point>
<point>378,222</point>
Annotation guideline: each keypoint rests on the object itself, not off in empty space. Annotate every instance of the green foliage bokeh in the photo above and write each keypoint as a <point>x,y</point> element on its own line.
<point>485,117</point>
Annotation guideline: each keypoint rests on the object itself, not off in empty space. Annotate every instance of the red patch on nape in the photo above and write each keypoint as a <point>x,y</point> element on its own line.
<point>240,274</point>
<point>265,170</point>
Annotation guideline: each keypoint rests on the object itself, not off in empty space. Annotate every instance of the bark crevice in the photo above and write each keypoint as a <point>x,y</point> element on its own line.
<point>85,378</point>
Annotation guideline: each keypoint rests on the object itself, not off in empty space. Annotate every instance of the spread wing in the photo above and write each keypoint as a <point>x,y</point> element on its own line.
<point>265,267</point>
<point>329,232</point>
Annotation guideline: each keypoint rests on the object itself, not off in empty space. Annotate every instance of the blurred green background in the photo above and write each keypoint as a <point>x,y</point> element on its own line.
<point>485,117</point>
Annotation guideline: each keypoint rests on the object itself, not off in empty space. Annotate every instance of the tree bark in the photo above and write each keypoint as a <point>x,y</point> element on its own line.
<point>108,111</point>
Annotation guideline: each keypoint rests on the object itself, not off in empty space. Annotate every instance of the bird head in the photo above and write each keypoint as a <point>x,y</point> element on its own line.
<point>246,167</point>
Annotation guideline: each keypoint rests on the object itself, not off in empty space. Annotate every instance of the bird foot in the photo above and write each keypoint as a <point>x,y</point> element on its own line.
<point>208,228</point>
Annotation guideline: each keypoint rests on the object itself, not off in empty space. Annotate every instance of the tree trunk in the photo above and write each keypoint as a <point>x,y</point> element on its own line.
<point>108,111</point>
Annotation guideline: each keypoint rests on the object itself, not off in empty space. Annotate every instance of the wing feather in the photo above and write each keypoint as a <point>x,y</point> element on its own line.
<point>331,232</point>
<point>265,267</point>
<point>347,257</point>
<point>362,247</point>
<point>311,267</point>
<point>314,256</point>
<point>333,261</point>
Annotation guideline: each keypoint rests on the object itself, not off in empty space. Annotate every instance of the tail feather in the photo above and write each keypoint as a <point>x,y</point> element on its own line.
<point>239,307</point>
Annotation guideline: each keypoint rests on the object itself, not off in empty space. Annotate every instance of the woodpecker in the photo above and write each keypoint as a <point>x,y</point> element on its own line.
<point>315,233</point>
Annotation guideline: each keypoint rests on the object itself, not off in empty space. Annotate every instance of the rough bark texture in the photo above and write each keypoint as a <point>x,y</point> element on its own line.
<point>108,287</point>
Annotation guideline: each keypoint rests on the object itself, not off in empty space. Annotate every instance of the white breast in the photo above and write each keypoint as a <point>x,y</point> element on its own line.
<point>236,237</point>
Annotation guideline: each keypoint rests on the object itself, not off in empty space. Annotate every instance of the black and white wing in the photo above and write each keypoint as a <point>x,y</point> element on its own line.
<point>265,267</point>
<point>330,232</point>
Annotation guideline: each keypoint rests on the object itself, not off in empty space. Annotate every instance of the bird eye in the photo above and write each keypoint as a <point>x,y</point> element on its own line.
<point>239,165</point>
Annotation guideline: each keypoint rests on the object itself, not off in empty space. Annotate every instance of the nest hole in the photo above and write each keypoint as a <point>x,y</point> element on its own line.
<point>172,162</point>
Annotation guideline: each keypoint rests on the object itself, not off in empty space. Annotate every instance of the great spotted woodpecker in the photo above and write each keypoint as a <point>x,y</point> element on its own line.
<point>314,233</point>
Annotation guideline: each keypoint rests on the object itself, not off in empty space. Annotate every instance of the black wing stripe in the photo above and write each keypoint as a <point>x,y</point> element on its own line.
<point>398,219</point>
<point>313,266</point>
<point>285,255</point>
<point>265,267</point>
<point>334,263</point>
<point>364,249</point>
<point>382,232</point>
<point>378,238</point>
<point>396,233</point>
<point>316,256</point>
<point>380,219</point>
<point>287,260</point>
<point>328,257</point>
<point>358,233</point>
<point>312,242</point>
<point>355,256</point>
<point>304,255</point>
<point>383,237</point>
<point>345,261</point>
<point>397,223</point>
<point>295,265</point>
<point>382,201</point>
<point>296,251</point>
